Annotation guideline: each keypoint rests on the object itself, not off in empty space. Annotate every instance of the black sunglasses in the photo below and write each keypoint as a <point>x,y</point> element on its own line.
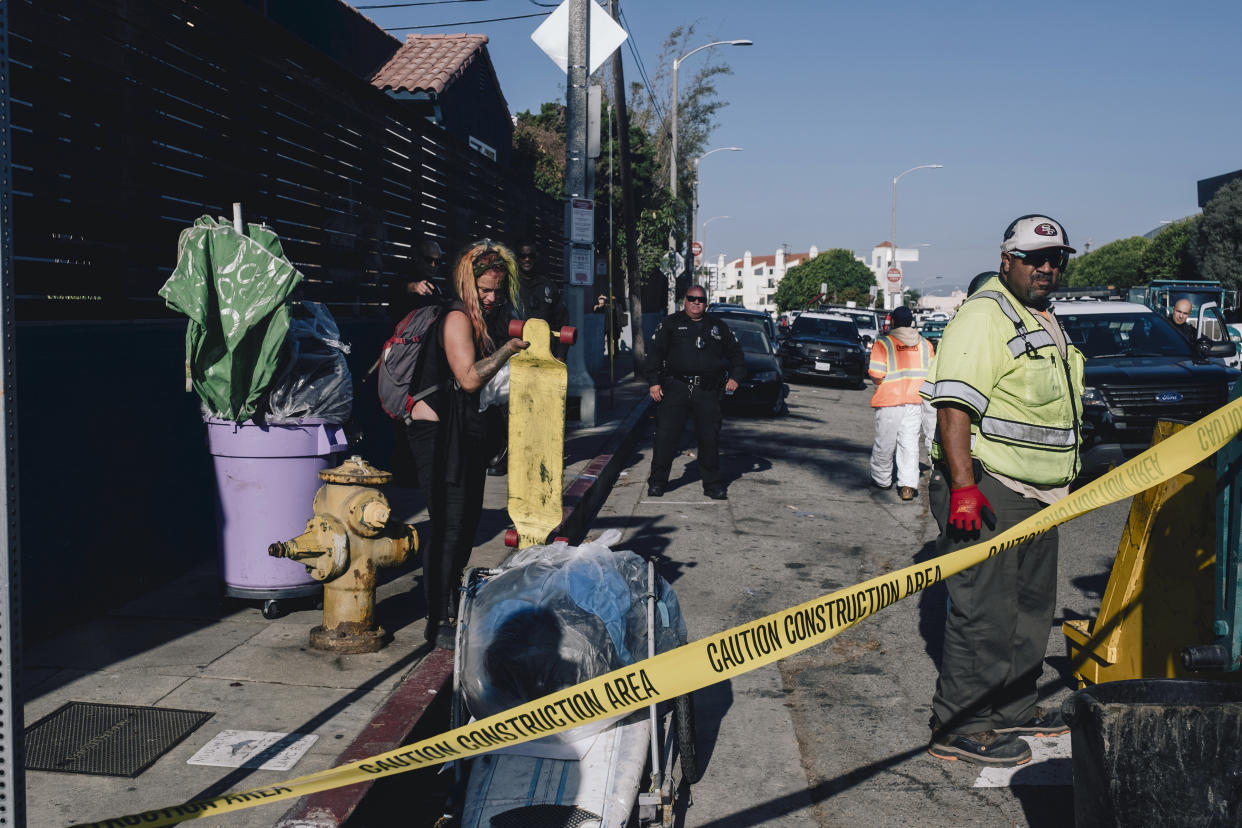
<point>432,261</point>
<point>696,299</point>
<point>1038,258</point>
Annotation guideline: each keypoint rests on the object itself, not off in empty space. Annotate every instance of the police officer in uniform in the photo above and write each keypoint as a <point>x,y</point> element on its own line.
<point>540,297</point>
<point>685,370</point>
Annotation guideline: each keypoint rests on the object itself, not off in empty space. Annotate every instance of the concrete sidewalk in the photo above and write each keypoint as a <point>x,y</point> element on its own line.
<point>183,646</point>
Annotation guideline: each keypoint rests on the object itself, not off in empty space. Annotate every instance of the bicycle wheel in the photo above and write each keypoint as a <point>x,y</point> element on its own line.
<point>683,716</point>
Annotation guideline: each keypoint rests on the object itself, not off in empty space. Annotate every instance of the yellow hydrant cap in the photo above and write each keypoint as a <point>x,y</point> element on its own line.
<point>356,472</point>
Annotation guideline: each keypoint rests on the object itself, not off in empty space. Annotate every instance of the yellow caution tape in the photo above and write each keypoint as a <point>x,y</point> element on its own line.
<point>727,654</point>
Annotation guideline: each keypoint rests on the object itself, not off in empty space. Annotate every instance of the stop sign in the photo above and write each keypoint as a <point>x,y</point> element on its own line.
<point>696,248</point>
<point>894,275</point>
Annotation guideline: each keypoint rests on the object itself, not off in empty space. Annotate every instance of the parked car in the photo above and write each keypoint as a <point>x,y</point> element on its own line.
<point>729,312</point>
<point>825,345</point>
<point>1138,370</point>
<point>764,387</point>
<point>933,329</point>
<point>867,321</point>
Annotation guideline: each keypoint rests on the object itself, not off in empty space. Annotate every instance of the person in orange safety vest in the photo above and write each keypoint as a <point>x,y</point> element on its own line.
<point>899,363</point>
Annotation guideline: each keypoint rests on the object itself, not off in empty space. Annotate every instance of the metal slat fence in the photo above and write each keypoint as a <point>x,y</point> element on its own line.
<point>130,120</point>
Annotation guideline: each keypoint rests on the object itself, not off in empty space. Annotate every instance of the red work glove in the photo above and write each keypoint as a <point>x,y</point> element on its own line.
<point>969,509</point>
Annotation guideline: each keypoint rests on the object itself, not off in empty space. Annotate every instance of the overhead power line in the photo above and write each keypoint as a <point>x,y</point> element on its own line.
<point>465,22</point>
<point>642,71</point>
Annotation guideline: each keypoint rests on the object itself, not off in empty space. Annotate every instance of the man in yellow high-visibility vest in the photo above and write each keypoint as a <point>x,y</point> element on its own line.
<point>1007,386</point>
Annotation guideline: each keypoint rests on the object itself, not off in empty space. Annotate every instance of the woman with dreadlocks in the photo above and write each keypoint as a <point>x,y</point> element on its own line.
<point>465,349</point>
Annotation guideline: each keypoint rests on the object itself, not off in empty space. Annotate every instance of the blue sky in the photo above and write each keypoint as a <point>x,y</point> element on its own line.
<point>1100,114</point>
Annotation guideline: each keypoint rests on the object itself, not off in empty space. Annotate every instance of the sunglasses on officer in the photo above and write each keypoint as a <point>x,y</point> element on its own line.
<point>1055,256</point>
<point>697,299</point>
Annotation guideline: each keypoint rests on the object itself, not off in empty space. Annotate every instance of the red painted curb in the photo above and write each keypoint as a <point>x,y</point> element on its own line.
<point>388,730</point>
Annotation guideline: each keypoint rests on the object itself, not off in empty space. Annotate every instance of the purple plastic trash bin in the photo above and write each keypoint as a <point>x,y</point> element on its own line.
<point>266,478</point>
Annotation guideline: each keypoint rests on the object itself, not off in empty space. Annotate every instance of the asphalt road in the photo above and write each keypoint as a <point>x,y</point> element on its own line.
<point>835,735</point>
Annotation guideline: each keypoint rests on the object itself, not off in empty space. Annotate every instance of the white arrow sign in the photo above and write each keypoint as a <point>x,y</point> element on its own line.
<point>553,36</point>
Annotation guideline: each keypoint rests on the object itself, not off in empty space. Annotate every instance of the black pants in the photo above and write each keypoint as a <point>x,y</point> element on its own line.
<point>1000,613</point>
<point>680,401</point>
<point>454,513</point>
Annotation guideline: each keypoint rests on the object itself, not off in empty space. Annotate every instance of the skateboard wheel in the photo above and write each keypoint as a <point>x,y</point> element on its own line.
<point>511,538</point>
<point>567,335</point>
<point>515,328</point>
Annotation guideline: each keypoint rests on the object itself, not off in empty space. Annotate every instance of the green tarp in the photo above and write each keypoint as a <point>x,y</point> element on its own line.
<point>233,288</point>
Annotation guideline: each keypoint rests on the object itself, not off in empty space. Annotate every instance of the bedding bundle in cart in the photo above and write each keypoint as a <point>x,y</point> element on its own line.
<point>553,616</point>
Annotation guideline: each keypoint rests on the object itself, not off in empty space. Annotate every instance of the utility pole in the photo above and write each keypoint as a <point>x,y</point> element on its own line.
<point>633,275</point>
<point>12,760</point>
<point>581,385</point>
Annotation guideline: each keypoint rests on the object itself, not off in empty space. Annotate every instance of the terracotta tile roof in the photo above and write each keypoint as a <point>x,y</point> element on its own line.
<point>770,261</point>
<point>431,62</point>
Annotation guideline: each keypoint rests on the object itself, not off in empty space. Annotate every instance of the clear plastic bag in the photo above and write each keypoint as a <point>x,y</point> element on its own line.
<point>558,615</point>
<point>313,381</point>
<point>496,392</point>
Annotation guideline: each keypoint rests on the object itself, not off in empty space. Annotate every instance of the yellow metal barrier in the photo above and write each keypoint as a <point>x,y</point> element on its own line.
<point>1159,595</point>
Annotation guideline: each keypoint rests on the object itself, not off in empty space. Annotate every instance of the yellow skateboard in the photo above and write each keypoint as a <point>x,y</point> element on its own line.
<point>537,383</point>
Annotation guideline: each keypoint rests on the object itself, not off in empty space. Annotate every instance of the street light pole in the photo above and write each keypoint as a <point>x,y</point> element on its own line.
<point>892,230</point>
<point>694,207</point>
<point>703,240</point>
<point>672,156</point>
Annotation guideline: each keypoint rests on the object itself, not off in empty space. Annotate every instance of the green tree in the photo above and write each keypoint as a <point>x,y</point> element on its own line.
<point>1216,244</point>
<point>1115,263</point>
<point>848,280</point>
<point>1168,255</point>
<point>539,148</point>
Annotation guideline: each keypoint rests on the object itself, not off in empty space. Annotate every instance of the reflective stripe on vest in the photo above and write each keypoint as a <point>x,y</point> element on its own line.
<point>1028,434</point>
<point>963,392</point>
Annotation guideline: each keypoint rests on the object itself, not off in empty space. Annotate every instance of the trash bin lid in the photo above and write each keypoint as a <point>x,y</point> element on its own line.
<point>356,472</point>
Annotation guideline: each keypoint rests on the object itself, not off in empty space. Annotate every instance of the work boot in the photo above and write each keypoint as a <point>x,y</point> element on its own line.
<point>655,490</point>
<point>1002,750</point>
<point>906,492</point>
<point>1043,723</point>
<point>716,492</point>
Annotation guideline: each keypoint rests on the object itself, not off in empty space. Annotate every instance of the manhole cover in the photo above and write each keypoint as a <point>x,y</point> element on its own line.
<point>106,739</point>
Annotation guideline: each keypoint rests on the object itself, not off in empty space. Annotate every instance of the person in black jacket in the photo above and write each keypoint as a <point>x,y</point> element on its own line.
<point>685,370</point>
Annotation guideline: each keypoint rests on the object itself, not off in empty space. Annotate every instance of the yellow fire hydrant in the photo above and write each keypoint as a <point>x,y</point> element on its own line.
<point>349,538</point>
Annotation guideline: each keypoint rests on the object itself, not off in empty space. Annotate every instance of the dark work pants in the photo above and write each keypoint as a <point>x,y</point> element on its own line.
<point>680,401</point>
<point>454,513</point>
<point>999,617</point>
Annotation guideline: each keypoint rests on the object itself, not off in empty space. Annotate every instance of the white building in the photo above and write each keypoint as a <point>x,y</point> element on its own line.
<point>882,259</point>
<point>751,280</point>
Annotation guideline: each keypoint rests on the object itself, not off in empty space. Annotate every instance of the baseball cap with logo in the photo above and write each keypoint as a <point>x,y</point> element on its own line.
<point>1035,232</point>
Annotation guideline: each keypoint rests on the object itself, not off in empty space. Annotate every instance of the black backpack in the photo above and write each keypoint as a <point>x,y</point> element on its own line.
<point>402,359</point>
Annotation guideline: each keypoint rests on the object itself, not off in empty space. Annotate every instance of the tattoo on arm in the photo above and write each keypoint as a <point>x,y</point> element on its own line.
<point>487,367</point>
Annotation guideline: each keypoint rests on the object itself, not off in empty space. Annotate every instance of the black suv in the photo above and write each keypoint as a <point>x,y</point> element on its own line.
<point>824,345</point>
<point>727,311</point>
<point>1139,370</point>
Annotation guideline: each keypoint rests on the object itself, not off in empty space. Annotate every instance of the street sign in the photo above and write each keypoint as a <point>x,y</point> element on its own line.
<point>601,266</point>
<point>581,265</point>
<point>894,275</point>
<point>696,248</point>
<point>672,264</point>
<point>605,36</point>
<point>582,221</point>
